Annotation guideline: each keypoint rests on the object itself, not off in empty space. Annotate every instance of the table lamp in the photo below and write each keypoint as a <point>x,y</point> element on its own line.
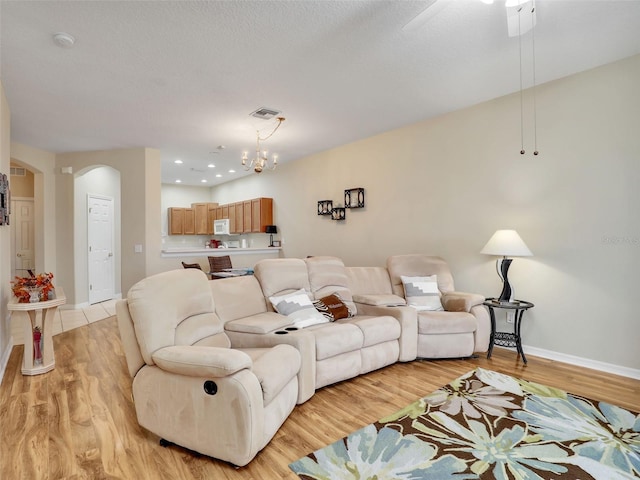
<point>506,243</point>
<point>271,229</point>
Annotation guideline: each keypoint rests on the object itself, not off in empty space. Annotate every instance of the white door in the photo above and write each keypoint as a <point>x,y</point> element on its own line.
<point>100,241</point>
<point>22,237</point>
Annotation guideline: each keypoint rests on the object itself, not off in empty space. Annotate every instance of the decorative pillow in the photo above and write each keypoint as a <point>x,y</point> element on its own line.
<point>422,292</point>
<point>332,307</point>
<point>298,307</point>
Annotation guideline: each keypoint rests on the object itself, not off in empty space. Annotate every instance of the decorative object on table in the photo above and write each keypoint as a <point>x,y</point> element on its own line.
<point>354,198</point>
<point>506,243</point>
<point>271,229</point>
<point>487,424</point>
<point>277,243</point>
<point>338,213</point>
<point>37,346</point>
<point>5,199</point>
<point>325,207</point>
<point>36,288</point>
<point>507,339</point>
<point>261,160</point>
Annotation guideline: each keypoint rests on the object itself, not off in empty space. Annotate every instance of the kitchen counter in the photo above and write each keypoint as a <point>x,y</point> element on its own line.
<point>201,251</point>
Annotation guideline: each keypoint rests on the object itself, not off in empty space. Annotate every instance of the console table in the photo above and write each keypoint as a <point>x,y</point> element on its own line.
<point>28,313</point>
<point>507,339</point>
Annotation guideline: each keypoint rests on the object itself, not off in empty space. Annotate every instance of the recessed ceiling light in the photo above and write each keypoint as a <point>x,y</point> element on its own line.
<point>211,165</point>
<point>178,161</point>
<point>178,181</point>
<point>232,171</point>
<point>218,176</point>
<point>203,180</point>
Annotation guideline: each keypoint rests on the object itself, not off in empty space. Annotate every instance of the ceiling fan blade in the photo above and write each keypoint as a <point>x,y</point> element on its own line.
<point>432,8</point>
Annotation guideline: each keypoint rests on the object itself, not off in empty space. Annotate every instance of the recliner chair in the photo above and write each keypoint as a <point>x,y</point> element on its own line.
<point>189,387</point>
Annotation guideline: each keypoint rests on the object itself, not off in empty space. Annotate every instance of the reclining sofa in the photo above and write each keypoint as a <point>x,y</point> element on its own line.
<point>375,318</point>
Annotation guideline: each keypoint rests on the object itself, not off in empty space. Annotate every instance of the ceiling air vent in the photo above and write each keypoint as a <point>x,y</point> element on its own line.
<point>265,113</point>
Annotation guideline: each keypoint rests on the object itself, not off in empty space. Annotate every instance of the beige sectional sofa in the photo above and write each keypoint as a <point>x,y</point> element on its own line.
<point>378,329</point>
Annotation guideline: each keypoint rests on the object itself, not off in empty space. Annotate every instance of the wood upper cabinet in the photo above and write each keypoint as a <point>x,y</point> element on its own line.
<point>246,222</point>
<point>231,208</point>
<point>261,214</point>
<point>176,220</point>
<point>189,225</point>
<point>181,221</point>
<point>201,218</point>
<point>239,215</point>
<point>225,211</point>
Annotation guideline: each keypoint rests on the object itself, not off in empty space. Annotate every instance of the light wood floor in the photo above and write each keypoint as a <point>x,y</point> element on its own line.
<point>78,422</point>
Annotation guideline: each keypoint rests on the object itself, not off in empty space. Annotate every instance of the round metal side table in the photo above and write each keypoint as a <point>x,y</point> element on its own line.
<point>507,339</point>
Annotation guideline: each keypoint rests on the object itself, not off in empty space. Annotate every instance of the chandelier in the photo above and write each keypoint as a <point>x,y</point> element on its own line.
<point>261,160</point>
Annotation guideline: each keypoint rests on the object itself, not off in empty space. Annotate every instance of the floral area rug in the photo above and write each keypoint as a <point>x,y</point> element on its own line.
<point>487,425</point>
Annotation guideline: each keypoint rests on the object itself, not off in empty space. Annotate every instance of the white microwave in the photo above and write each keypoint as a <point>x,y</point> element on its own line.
<point>221,227</point>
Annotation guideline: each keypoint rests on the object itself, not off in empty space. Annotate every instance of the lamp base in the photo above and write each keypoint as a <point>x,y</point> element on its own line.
<point>271,240</point>
<point>506,294</point>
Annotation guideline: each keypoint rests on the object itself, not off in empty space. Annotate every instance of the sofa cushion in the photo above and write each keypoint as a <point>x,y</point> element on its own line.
<point>436,323</point>
<point>422,292</point>
<point>328,275</point>
<point>298,307</point>
<point>414,265</point>
<point>376,329</point>
<point>336,338</point>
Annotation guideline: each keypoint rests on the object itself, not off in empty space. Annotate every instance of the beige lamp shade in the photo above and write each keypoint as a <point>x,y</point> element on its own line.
<point>506,243</point>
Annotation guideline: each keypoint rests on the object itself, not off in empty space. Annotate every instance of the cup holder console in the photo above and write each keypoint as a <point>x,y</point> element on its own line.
<point>285,331</point>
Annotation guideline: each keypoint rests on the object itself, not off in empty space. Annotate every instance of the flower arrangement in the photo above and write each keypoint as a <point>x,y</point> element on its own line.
<point>23,286</point>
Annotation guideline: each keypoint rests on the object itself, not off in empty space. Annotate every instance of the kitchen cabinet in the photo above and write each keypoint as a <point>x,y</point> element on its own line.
<point>189,225</point>
<point>181,221</point>
<point>239,215</point>
<point>232,217</point>
<point>201,218</point>
<point>246,222</point>
<point>261,214</point>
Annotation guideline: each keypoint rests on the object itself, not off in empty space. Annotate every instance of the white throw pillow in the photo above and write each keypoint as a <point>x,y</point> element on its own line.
<point>422,292</point>
<point>298,307</point>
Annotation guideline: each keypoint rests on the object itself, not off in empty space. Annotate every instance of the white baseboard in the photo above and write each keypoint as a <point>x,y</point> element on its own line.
<point>583,362</point>
<point>4,360</point>
<point>80,306</point>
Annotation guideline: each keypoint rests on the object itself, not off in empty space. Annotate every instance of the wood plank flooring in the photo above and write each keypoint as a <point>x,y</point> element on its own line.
<point>78,421</point>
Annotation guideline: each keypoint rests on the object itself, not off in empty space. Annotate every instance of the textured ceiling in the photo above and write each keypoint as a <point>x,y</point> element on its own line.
<point>183,76</point>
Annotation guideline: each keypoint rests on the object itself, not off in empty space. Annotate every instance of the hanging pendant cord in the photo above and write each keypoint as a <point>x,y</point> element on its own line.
<point>535,107</point>
<point>521,100</point>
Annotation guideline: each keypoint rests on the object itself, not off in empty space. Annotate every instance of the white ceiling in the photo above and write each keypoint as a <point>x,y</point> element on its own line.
<point>183,76</point>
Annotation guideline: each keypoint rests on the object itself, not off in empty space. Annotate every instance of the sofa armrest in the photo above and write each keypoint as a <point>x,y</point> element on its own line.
<point>201,361</point>
<point>261,323</point>
<point>380,300</point>
<point>460,301</point>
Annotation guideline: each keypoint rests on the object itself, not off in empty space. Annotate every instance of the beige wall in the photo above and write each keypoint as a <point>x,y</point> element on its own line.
<point>42,164</point>
<point>140,217</point>
<point>5,240</point>
<point>444,186</point>
<point>22,186</point>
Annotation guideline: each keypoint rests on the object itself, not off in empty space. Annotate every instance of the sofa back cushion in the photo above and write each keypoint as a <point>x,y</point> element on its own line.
<point>417,265</point>
<point>369,281</point>
<point>237,297</point>
<point>279,276</point>
<point>328,275</point>
<point>174,308</point>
